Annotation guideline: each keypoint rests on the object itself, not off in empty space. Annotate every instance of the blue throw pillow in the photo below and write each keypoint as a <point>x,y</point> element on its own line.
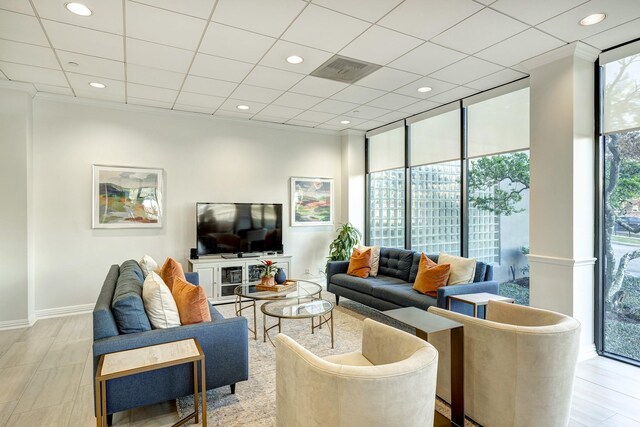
<point>127,305</point>
<point>481,271</point>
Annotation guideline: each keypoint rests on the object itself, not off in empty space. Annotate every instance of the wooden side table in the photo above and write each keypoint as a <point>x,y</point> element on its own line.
<point>477,300</point>
<point>144,359</point>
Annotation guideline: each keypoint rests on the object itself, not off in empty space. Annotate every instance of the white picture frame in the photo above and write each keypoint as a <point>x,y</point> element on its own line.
<point>312,201</point>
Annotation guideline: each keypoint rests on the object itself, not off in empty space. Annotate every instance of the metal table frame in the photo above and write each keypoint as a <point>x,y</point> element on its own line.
<point>323,319</point>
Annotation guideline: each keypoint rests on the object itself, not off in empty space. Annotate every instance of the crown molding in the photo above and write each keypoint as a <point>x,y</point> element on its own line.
<point>576,49</point>
<point>20,86</point>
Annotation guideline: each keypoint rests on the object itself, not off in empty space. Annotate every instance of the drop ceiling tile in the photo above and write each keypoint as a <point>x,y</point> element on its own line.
<point>567,27</point>
<point>158,56</point>
<point>392,101</point>
<point>209,86</point>
<point>255,93</point>
<point>197,8</point>
<point>387,79</point>
<point>420,106</point>
<point>149,102</point>
<point>534,12</point>
<point>427,18</point>
<point>297,100</point>
<point>615,36</point>
<point>231,104</point>
<point>154,77</point>
<point>522,46</point>
<point>371,124</point>
<point>366,112</point>
<point>209,103</point>
<point>19,6</point>
<point>358,94</point>
<point>29,74</point>
<point>369,10</point>
<point>278,54</point>
<point>107,14</point>
<point>334,107</point>
<point>486,2</point>
<point>272,78</point>
<point>310,29</point>
<point>83,40</point>
<point>163,27</point>
<point>394,116</point>
<point>493,80</point>
<point>454,94</point>
<point>27,54</point>
<point>193,109</point>
<point>340,118</point>
<point>437,86</point>
<point>426,59</point>
<point>250,14</point>
<point>315,116</point>
<point>152,93</point>
<point>379,45</point>
<point>21,28</point>
<point>60,90</point>
<point>215,67</point>
<point>80,84</point>
<point>466,70</point>
<point>317,86</point>
<point>332,127</point>
<point>229,42</point>
<point>295,122</point>
<point>479,31</point>
<point>270,119</point>
<point>280,111</point>
<point>91,65</point>
<point>232,114</point>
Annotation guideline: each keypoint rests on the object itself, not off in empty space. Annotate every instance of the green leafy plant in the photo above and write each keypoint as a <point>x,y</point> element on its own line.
<point>348,237</point>
<point>268,268</point>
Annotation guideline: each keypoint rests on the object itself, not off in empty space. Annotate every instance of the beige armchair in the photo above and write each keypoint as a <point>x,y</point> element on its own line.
<point>519,365</point>
<point>391,383</point>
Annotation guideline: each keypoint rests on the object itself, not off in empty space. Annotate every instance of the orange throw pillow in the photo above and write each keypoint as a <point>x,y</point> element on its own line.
<point>193,306</point>
<point>431,276</point>
<point>170,270</point>
<point>360,263</point>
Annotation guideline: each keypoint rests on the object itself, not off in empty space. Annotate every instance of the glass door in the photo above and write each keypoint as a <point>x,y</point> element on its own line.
<point>230,277</point>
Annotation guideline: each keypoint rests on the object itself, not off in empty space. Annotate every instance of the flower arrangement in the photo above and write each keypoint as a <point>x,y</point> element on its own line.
<point>269,269</point>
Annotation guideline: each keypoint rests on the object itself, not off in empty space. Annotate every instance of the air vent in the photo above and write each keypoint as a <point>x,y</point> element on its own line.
<point>345,70</point>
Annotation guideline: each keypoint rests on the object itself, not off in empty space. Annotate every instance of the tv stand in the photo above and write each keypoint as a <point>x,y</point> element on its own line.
<point>242,255</point>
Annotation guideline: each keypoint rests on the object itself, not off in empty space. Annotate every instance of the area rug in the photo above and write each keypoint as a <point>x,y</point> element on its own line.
<point>254,401</point>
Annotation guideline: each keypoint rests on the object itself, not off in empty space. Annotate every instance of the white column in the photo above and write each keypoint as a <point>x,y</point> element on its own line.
<point>353,176</point>
<point>562,185</point>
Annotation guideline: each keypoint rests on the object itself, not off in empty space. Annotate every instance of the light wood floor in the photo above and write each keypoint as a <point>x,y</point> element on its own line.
<point>45,380</point>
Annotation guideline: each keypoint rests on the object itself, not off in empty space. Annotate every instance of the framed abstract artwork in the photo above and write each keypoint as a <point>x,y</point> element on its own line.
<point>127,197</point>
<point>311,201</point>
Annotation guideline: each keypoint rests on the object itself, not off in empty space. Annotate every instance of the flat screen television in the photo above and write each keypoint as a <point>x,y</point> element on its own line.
<point>238,228</point>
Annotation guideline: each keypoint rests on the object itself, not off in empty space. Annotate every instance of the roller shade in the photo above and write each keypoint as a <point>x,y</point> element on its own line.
<point>386,148</point>
<point>499,124</point>
<point>621,94</point>
<point>435,139</point>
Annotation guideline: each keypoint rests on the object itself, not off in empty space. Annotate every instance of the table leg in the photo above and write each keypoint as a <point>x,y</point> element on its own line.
<point>255,323</point>
<point>103,402</point>
<point>203,387</point>
<point>279,325</point>
<point>264,327</point>
<point>195,389</point>
<point>331,327</point>
<point>448,303</point>
<point>98,403</point>
<point>475,309</point>
<point>457,376</point>
<point>313,325</point>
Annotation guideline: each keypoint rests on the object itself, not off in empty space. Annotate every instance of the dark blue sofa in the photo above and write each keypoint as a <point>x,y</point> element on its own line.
<point>393,286</point>
<point>224,342</point>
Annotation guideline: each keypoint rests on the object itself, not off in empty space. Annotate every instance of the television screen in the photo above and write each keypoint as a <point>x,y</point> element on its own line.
<point>238,227</point>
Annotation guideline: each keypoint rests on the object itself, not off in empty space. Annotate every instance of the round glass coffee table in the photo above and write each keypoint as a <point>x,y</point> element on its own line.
<point>247,295</point>
<point>298,308</point>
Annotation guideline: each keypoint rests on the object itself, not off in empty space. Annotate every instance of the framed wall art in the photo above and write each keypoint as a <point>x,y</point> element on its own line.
<point>311,201</point>
<point>127,197</point>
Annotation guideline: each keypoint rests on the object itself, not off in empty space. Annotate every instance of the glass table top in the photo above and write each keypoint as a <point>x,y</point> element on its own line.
<point>297,308</point>
<point>304,288</point>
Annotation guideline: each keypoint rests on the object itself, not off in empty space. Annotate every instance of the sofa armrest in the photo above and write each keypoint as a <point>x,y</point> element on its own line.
<point>192,277</point>
<point>490,287</point>
<point>336,267</point>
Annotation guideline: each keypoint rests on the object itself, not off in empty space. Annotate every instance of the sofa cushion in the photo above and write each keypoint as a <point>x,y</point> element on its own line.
<point>148,264</point>
<point>481,271</point>
<point>159,303</point>
<point>104,324</point>
<point>416,263</point>
<point>170,270</point>
<point>431,276</point>
<point>127,305</point>
<point>404,295</point>
<point>395,263</point>
<point>365,286</point>
<point>360,263</point>
<point>375,259</point>
<point>192,302</point>
<point>462,269</point>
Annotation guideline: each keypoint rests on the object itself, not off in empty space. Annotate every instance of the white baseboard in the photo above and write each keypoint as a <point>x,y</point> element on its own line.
<point>14,324</point>
<point>64,311</point>
<point>587,351</point>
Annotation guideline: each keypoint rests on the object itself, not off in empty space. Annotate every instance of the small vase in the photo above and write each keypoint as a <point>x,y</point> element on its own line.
<point>268,281</point>
<point>280,276</point>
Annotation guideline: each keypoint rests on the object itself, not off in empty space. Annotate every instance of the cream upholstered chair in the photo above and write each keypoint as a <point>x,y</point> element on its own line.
<point>519,365</point>
<point>391,383</point>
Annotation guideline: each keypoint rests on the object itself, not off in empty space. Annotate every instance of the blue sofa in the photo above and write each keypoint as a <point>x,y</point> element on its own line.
<point>224,342</point>
<point>393,286</point>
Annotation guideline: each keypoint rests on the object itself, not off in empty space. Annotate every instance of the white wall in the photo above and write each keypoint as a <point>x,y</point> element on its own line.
<point>353,179</point>
<point>15,147</point>
<point>204,159</point>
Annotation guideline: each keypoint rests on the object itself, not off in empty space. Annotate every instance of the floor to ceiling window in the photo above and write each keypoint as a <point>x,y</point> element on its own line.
<point>620,249</point>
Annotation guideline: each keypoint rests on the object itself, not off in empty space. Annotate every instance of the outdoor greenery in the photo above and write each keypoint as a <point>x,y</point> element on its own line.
<point>348,237</point>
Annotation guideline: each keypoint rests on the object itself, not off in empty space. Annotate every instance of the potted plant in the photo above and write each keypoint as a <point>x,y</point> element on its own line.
<point>269,269</point>
<point>348,237</point>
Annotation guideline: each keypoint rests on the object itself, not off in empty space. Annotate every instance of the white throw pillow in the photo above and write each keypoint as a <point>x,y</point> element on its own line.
<point>159,304</point>
<point>462,269</point>
<point>148,264</point>
<point>375,259</point>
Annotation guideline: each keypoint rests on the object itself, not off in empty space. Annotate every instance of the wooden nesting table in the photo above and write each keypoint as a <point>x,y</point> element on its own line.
<point>477,300</point>
<point>144,359</point>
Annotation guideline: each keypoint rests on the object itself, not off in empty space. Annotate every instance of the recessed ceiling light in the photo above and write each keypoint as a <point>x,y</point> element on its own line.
<point>73,64</point>
<point>424,89</point>
<point>97,85</point>
<point>593,19</point>
<point>295,59</point>
<point>78,9</point>
<point>345,122</point>
<point>242,107</point>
